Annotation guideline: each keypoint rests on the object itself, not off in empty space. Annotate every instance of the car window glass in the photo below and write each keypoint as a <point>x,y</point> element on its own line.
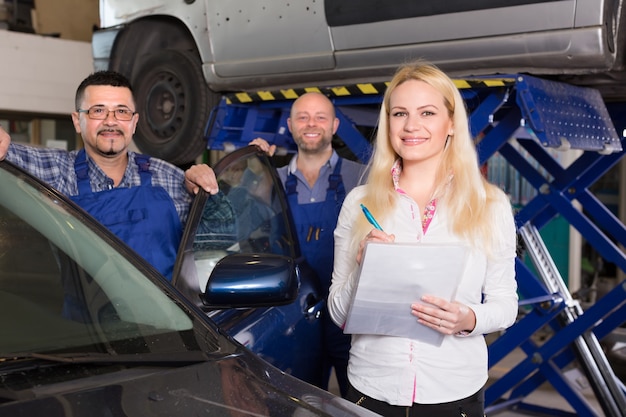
<point>247,216</point>
<point>63,287</point>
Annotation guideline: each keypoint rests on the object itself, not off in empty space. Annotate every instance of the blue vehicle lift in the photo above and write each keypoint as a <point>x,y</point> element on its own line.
<point>522,119</point>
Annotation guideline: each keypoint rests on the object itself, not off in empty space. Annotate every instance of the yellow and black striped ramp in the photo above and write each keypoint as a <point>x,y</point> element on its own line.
<point>363,89</point>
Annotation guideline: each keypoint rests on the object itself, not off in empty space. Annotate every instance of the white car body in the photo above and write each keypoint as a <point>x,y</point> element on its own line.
<point>245,45</point>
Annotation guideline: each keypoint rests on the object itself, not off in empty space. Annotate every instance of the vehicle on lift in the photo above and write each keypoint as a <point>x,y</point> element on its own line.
<point>181,55</point>
<point>90,327</point>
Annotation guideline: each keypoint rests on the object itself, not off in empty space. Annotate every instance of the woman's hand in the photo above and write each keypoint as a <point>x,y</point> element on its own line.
<point>374,235</point>
<point>444,316</point>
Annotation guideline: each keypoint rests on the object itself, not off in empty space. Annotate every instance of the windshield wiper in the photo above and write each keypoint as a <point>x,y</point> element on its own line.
<point>166,359</point>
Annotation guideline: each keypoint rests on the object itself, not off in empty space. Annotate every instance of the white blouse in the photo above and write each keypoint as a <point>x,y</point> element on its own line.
<point>402,371</point>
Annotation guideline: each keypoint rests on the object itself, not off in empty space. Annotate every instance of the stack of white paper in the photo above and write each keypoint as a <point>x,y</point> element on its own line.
<point>395,275</point>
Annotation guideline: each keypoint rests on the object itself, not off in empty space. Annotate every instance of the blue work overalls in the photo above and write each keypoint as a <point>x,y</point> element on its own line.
<point>315,224</point>
<point>144,217</point>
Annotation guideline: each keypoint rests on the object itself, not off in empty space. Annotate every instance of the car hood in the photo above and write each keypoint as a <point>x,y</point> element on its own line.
<point>225,387</point>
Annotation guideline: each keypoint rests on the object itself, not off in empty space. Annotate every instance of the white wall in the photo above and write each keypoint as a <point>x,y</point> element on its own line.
<point>40,74</point>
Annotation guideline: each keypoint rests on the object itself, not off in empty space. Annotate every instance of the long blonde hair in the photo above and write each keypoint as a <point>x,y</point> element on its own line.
<point>466,199</point>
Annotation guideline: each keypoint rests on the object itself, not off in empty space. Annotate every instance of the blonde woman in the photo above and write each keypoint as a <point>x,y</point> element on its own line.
<point>425,185</point>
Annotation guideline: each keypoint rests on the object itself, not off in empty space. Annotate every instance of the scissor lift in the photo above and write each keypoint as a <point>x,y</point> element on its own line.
<point>522,119</point>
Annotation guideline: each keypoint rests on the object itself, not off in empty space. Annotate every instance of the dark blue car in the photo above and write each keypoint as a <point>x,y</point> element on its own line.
<point>87,328</point>
<point>250,215</point>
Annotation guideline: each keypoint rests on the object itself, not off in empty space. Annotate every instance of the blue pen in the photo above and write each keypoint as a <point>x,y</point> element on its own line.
<point>370,218</point>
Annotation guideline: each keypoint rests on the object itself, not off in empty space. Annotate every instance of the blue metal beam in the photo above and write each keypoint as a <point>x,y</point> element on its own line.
<point>523,120</point>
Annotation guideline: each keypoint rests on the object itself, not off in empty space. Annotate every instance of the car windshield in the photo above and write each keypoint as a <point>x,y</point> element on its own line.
<point>66,286</point>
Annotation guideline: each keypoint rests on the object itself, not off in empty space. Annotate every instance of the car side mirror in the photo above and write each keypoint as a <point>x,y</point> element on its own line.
<point>252,280</point>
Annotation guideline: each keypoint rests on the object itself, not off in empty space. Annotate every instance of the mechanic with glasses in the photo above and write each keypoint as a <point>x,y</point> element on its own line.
<point>143,200</point>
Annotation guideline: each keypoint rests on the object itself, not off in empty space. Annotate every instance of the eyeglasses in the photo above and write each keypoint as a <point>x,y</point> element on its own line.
<point>101,113</point>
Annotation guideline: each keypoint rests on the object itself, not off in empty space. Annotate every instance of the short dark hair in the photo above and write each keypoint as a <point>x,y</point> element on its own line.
<point>109,78</point>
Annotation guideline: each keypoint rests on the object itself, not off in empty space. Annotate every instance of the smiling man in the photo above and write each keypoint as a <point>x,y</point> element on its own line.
<point>316,181</point>
<point>143,200</point>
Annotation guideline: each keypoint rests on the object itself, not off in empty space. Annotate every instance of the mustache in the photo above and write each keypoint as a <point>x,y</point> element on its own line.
<point>117,131</point>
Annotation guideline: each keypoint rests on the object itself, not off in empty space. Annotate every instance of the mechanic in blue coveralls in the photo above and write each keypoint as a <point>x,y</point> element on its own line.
<point>316,182</point>
<point>143,200</point>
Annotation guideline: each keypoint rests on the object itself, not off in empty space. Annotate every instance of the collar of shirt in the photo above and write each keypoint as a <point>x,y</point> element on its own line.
<point>293,164</point>
<point>396,169</point>
<point>103,182</point>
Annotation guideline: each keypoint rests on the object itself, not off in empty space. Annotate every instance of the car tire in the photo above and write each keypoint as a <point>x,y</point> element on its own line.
<point>174,103</point>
